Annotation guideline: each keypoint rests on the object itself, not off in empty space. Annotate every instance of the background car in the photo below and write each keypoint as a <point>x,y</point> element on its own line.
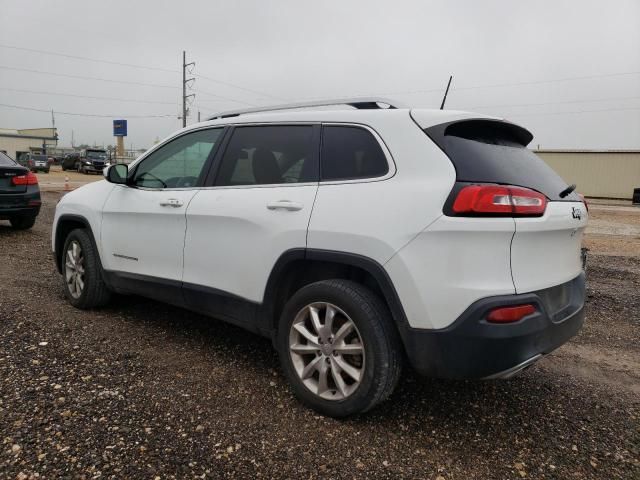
<point>19,194</point>
<point>92,160</point>
<point>70,161</point>
<point>35,162</point>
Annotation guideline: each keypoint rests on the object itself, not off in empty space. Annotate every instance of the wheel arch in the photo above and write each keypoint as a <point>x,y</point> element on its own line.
<point>299,267</point>
<point>65,224</point>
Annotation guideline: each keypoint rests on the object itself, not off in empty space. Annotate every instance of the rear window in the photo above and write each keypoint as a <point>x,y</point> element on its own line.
<point>5,161</point>
<point>491,151</point>
<point>40,158</point>
<point>351,153</point>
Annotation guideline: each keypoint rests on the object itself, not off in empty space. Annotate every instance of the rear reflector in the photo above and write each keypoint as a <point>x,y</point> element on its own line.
<point>510,314</point>
<point>499,200</point>
<point>28,179</point>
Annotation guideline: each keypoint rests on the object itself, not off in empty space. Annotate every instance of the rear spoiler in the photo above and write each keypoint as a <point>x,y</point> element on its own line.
<point>497,132</point>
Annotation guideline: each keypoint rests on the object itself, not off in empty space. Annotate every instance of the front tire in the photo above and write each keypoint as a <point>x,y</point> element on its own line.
<point>339,348</point>
<point>84,286</point>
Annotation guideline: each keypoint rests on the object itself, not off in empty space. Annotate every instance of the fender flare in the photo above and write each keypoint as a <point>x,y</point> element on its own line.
<point>59,241</point>
<point>372,267</point>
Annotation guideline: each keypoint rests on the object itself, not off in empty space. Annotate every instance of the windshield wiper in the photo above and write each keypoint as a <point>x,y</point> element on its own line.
<point>567,190</point>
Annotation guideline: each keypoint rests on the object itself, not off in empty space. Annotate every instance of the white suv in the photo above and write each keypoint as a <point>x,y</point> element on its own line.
<point>355,238</point>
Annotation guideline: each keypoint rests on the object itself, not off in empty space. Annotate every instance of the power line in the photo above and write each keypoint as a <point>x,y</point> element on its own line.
<point>19,107</point>
<point>557,80</point>
<point>255,92</point>
<point>87,78</point>
<point>576,112</point>
<point>496,85</point>
<point>77,57</point>
<point>613,99</point>
<point>202,92</point>
<point>87,96</point>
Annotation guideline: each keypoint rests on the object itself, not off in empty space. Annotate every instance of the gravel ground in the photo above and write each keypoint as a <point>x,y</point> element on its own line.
<point>144,390</point>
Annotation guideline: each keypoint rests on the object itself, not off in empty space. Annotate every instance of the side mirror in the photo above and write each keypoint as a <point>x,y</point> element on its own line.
<point>116,173</point>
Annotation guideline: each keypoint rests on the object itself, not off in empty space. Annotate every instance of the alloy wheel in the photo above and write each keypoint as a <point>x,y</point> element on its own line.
<point>327,351</point>
<point>74,269</point>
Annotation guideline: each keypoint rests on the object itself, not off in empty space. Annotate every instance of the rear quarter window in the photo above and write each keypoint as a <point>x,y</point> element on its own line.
<point>491,151</point>
<point>349,153</point>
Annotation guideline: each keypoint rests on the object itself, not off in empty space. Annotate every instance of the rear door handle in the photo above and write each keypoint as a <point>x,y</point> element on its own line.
<point>171,202</point>
<point>285,205</point>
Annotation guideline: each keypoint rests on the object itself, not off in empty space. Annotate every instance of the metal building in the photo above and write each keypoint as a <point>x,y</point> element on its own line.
<point>35,140</point>
<point>597,173</point>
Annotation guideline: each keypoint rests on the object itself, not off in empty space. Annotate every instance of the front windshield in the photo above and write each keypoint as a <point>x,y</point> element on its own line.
<point>97,155</point>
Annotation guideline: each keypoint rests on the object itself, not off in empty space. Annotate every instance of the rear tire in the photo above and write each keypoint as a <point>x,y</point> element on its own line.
<point>23,223</point>
<point>84,285</point>
<point>360,369</point>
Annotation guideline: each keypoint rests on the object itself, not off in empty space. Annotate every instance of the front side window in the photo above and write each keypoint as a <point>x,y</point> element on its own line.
<point>179,163</point>
<point>350,153</point>
<point>269,154</point>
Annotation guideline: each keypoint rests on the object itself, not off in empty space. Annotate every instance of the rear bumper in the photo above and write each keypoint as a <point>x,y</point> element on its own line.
<point>23,204</point>
<point>473,348</point>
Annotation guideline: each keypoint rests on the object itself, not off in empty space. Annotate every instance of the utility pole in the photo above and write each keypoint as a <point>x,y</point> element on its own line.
<point>185,81</point>
<point>198,116</point>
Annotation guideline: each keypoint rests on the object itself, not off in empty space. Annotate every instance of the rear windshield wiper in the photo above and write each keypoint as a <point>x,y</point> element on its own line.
<point>567,190</point>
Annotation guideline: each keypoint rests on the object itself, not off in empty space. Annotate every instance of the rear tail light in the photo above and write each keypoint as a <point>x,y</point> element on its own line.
<point>499,200</point>
<point>510,314</point>
<point>28,179</point>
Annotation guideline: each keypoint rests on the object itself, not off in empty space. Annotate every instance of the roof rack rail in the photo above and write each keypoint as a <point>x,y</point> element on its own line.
<point>361,103</point>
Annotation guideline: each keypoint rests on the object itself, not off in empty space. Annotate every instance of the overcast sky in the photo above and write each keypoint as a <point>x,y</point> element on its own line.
<point>514,59</point>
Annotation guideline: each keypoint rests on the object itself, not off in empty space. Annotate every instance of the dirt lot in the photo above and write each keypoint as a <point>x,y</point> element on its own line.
<point>55,179</point>
<point>142,390</point>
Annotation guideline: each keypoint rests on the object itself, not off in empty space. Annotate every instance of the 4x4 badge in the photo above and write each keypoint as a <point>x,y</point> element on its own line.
<point>576,213</point>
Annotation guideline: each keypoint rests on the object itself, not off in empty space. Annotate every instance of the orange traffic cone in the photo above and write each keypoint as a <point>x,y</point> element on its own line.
<point>67,187</point>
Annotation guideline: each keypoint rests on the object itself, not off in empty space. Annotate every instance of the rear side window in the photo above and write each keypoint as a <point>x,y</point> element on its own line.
<point>351,153</point>
<point>490,151</point>
<point>5,161</point>
<point>268,155</point>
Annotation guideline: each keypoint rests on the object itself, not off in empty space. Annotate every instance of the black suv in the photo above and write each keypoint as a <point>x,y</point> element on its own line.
<point>70,161</point>
<point>92,160</point>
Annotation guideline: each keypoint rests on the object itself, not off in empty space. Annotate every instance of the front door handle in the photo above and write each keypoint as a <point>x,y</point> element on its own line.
<point>171,202</point>
<point>285,205</point>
